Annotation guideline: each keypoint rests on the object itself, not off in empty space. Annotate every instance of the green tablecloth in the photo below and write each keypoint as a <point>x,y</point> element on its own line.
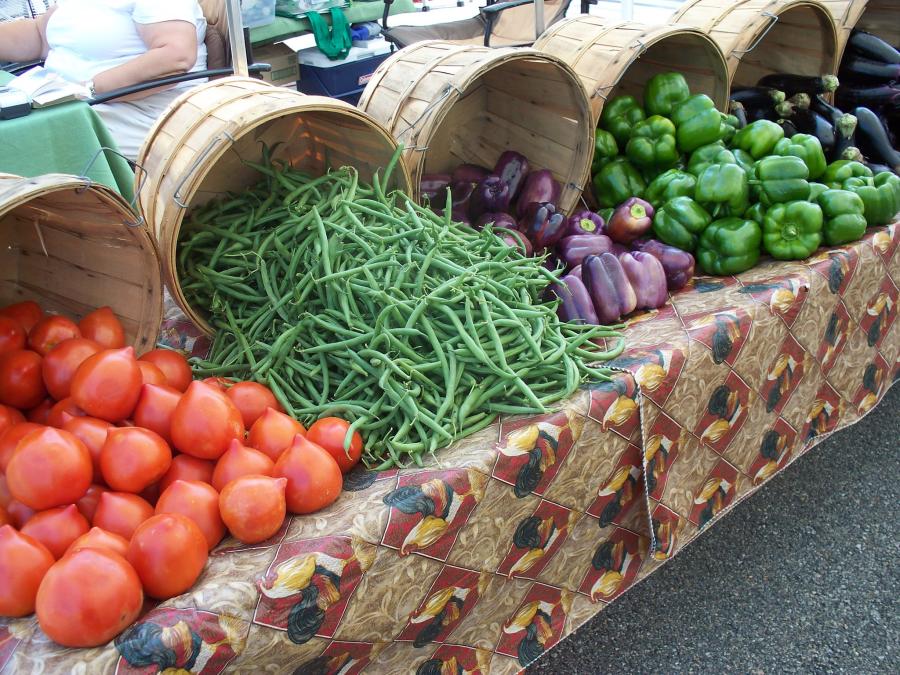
<point>283,27</point>
<point>62,139</point>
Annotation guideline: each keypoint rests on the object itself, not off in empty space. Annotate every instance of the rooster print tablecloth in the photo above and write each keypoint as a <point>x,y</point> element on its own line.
<point>510,540</point>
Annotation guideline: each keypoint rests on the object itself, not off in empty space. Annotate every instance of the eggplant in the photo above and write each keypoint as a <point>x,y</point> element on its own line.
<point>878,168</point>
<point>852,154</point>
<point>608,286</point>
<point>800,101</point>
<point>647,278</point>
<point>862,70</point>
<point>584,221</point>
<point>490,195</point>
<point>631,219</point>
<point>825,109</point>
<point>677,264</point>
<point>542,224</point>
<point>573,250</point>
<point>758,102</point>
<point>512,169</point>
<point>471,173</point>
<point>873,139</point>
<point>498,218</point>
<point>540,186</point>
<point>737,109</point>
<point>786,110</point>
<point>810,122</point>
<point>884,99</point>
<point>792,84</point>
<point>844,135</point>
<point>435,186</point>
<point>788,128</point>
<point>872,47</point>
<point>512,237</point>
<point>575,301</point>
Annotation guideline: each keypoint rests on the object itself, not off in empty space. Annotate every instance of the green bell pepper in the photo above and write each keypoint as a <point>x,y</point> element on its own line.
<point>616,182</point>
<point>663,92</point>
<point>756,213</point>
<point>780,179</point>
<point>728,127</point>
<point>605,149</point>
<point>881,199</point>
<point>709,155</point>
<point>806,147</point>
<point>792,231</point>
<point>744,160</point>
<point>838,172</point>
<point>729,246</point>
<point>758,138</point>
<point>697,122</point>
<point>619,117</point>
<point>668,185</point>
<point>815,189</point>
<point>844,220</point>
<point>652,144</point>
<point>679,222</point>
<point>723,190</point>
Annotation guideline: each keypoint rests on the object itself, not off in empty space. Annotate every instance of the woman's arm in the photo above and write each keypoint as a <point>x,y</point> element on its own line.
<point>171,50</point>
<point>24,39</point>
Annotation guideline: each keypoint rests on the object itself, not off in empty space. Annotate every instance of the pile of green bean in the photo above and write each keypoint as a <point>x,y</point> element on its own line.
<point>349,301</point>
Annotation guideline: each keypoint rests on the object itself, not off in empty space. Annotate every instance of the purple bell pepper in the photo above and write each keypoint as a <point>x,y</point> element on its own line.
<point>542,224</point>
<point>575,302</point>
<point>631,219</point>
<point>490,195</point>
<point>435,186</point>
<point>512,169</point>
<point>647,279</point>
<point>575,272</point>
<point>540,186</point>
<point>584,222</point>
<point>469,173</point>
<point>516,239</point>
<point>608,286</point>
<point>677,264</point>
<point>573,250</point>
<point>499,219</point>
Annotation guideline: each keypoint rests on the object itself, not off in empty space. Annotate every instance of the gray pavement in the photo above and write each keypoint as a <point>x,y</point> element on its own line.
<point>800,578</point>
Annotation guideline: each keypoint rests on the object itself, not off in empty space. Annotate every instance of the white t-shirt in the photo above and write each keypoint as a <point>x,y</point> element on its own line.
<point>87,37</point>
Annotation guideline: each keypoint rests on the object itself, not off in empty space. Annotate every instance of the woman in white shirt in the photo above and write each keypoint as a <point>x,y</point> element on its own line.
<point>109,44</point>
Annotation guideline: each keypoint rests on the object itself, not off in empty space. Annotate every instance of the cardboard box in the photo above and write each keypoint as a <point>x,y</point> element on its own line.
<point>285,66</point>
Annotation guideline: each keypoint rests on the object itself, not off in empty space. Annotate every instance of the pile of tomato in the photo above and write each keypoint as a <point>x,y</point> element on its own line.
<point>119,474</point>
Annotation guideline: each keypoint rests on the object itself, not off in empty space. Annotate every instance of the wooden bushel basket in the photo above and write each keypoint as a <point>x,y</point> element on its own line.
<point>881,17</point>
<point>73,246</point>
<point>618,58</point>
<point>197,151</point>
<point>759,37</point>
<point>451,104</point>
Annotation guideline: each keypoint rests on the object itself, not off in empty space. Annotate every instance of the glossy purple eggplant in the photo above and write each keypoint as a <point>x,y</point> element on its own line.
<point>677,264</point>
<point>608,286</point>
<point>573,250</point>
<point>542,224</point>
<point>540,186</point>
<point>490,195</point>
<point>515,239</point>
<point>631,219</point>
<point>575,302</point>
<point>498,218</point>
<point>584,222</point>
<point>512,168</point>
<point>470,173</point>
<point>435,186</point>
<point>647,278</point>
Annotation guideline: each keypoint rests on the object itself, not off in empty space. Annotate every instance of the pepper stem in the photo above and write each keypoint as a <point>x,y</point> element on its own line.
<point>588,225</point>
<point>638,211</point>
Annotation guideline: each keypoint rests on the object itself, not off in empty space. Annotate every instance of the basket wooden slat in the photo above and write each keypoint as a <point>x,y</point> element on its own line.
<point>881,17</point>
<point>450,104</point>
<point>73,246</point>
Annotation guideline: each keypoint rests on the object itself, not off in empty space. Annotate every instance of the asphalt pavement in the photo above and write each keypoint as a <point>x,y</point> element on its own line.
<point>799,578</point>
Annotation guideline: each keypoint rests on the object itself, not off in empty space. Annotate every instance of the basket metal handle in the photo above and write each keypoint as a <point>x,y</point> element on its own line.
<point>134,167</point>
<point>213,144</point>
<point>773,19</point>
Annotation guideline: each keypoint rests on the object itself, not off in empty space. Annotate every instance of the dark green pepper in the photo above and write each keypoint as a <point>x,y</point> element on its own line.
<point>843,211</point>
<point>806,147</point>
<point>758,138</point>
<point>756,213</point>
<point>777,180</point>
<point>723,190</point>
<point>744,160</point>
<point>709,155</point>
<point>668,185</point>
<point>619,117</point>
<point>838,172</point>
<point>605,149</point>
<point>679,222</point>
<point>815,189</point>
<point>697,121</point>
<point>616,182</point>
<point>663,92</point>
<point>652,144</point>
<point>881,199</point>
<point>792,231</point>
<point>728,127</point>
<point>729,246</point>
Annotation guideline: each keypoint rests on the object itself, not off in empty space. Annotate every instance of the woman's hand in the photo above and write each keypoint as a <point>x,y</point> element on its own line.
<point>25,39</point>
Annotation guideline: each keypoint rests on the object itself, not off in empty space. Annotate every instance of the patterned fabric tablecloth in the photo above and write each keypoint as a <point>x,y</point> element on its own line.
<point>519,534</point>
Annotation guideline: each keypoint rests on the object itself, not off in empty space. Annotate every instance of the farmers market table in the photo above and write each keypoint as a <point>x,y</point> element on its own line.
<point>62,139</point>
<point>517,535</point>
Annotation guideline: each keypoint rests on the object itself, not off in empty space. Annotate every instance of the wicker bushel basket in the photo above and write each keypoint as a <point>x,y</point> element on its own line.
<point>450,105</point>
<point>619,58</point>
<point>197,151</point>
<point>759,37</point>
<point>74,246</point>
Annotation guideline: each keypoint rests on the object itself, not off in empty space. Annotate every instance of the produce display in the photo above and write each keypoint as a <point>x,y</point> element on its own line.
<point>118,475</point>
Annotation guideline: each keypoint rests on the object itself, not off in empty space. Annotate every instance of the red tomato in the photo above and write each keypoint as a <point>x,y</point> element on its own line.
<point>5,497</point>
<point>21,384</point>
<point>168,551</point>
<point>9,417</point>
<point>205,422</point>
<point>27,313</point>
<point>253,507</point>
<point>57,528</point>
<point>88,597</point>
<point>108,384</point>
<point>121,513</point>
<point>61,363</point>
<point>12,335</point>
<point>240,460</point>
<point>63,411</point>
<point>23,563</point>
<point>10,439</point>
<point>50,467</point>
<point>40,414</point>
<point>155,407</point>
<point>314,478</point>
<point>174,366</point>
<point>50,331</point>
<point>88,504</point>
<point>92,432</point>
<point>185,467</point>
<point>150,374</point>
<point>273,433</point>
<point>133,458</point>
<point>104,328</point>
<point>199,502</point>
<point>99,538</point>
<point>150,493</point>
<point>5,518</point>
<point>18,513</point>
<point>329,433</point>
<point>220,383</point>
<point>252,399</point>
